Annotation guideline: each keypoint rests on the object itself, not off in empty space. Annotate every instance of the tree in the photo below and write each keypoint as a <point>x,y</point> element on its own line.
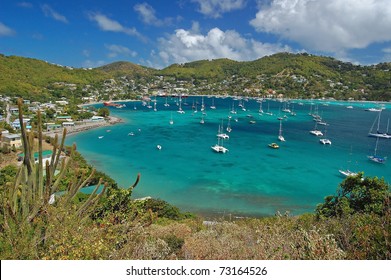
<point>103,112</point>
<point>357,194</point>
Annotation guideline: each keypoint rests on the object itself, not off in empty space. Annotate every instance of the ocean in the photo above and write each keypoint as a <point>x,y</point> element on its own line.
<point>251,179</point>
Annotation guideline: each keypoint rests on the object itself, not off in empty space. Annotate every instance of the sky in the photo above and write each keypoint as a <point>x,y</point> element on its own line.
<point>158,33</point>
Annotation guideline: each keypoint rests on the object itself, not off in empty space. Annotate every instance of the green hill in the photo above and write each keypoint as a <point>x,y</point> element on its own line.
<point>124,68</point>
<point>294,75</point>
<point>29,78</point>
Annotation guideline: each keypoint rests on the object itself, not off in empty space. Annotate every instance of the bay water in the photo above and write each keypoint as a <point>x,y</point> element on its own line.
<point>251,179</point>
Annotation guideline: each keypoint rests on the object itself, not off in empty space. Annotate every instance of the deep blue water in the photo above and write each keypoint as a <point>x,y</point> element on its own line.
<point>251,179</point>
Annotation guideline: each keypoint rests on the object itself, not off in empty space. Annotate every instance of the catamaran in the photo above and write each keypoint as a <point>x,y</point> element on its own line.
<point>219,148</point>
<point>325,141</point>
<point>220,133</point>
<point>315,131</point>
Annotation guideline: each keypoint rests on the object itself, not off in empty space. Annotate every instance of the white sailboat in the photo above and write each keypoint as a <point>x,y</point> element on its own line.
<point>213,107</point>
<point>219,147</point>
<point>378,133</point>
<point>166,104</point>
<point>280,137</point>
<point>260,111</point>
<point>325,141</point>
<point>233,109</point>
<point>229,129</point>
<point>375,157</point>
<point>315,131</point>
<point>347,172</point>
<point>202,121</point>
<point>220,133</point>
<point>171,120</point>
<point>268,110</point>
<point>180,111</point>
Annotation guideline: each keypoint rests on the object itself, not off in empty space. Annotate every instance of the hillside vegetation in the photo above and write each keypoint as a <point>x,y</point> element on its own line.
<point>294,75</point>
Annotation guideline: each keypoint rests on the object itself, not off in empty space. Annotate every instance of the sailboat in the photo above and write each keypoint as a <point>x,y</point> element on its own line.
<point>202,104</point>
<point>347,172</point>
<point>213,107</point>
<point>378,133</point>
<point>280,137</point>
<point>325,141</point>
<point>233,108</point>
<point>260,111</point>
<point>180,111</point>
<point>220,133</point>
<point>166,104</point>
<point>315,131</point>
<point>268,110</point>
<point>219,148</point>
<point>171,120</point>
<point>375,157</point>
<point>202,121</point>
<point>229,129</point>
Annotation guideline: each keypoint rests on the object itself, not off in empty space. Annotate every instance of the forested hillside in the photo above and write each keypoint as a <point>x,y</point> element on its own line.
<point>294,75</point>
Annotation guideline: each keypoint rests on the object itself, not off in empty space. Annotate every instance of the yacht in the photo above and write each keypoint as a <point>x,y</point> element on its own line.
<point>347,173</point>
<point>316,132</point>
<point>325,141</point>
<point>273,146</point>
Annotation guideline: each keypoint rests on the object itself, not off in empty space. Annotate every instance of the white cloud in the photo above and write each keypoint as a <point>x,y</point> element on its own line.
<point>329,26</point>
<point>147,14</point>
<point>26,5</point>
<point>49,12</point>
<point>215,8</point>
<point>190,45</point>
<point>5,30</point>
<point>386,50</point>
<point>107,24</point>
<point>93,64</point>
<point>116,50</point>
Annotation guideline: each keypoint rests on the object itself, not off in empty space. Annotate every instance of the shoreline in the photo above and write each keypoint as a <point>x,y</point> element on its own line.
<point>112,120</point>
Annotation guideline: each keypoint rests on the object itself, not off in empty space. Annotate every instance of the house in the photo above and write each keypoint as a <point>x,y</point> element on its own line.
<point>14,110</point>
<point>52,126</point>
<point>97,119</point>
<point>68,124</point>
<point>46,156</point>
<point>11,140</point>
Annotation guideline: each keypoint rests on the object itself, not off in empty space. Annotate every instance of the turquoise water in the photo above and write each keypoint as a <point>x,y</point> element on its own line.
<point>251,179</point>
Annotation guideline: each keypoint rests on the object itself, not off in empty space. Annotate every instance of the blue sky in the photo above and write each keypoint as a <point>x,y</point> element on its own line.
<point>157,33</point>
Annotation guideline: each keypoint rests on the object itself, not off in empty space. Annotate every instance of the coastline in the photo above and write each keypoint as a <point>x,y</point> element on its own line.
<point>85,127</point>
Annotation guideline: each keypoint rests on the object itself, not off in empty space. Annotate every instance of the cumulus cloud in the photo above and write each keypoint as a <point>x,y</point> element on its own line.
<point>190,45</point>
<point>148,15</point>
<point>49,12</point>
<point>215,8</point>
<point>107,24</point>
<point>329,26</point>
<point>5,30</point>
<point>116,50</point>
